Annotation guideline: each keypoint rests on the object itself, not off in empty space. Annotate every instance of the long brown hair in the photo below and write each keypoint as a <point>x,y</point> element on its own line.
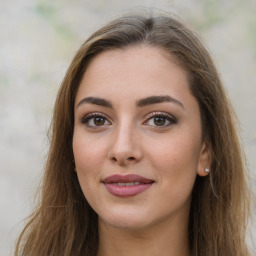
<point>64,223</point>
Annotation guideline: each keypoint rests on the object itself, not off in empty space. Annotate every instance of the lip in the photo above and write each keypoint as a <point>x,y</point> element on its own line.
<point>127,185</point>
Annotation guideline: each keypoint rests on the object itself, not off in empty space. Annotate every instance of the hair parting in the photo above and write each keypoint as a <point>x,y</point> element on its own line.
<point>64,223</point>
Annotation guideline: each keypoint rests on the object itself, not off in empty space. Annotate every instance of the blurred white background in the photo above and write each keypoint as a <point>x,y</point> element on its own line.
<point>38,38</point>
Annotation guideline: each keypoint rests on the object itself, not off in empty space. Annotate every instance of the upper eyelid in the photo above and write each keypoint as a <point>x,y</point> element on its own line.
<point>172,119</point>
<point>93,114</point>
<point>146,117</point>
<point>159,113</point>
<point>87,117</point>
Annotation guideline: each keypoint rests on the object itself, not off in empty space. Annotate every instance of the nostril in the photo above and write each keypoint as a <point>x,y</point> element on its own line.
<point>114,159</point>
<point>122,159</point>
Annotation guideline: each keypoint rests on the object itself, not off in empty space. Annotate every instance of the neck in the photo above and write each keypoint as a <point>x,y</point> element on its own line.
<point>166,239</point>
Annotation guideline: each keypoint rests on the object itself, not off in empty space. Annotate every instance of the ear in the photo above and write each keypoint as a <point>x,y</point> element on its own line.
<point>204,159</point>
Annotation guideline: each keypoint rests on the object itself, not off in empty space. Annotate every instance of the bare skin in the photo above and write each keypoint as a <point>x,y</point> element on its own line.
<point>135,115</point>
<point>171,240</point>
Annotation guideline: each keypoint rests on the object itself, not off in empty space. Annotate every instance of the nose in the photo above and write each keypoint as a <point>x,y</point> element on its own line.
<point>125,148</point>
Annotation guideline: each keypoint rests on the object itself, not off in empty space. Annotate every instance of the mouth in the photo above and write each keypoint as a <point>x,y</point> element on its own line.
<point>127,185</point>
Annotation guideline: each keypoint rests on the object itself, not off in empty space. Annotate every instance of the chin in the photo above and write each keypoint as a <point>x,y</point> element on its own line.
<point>126,220</point>
<point>127,224</point>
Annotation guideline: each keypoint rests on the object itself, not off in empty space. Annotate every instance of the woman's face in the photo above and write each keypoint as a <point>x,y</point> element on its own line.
<point>137,138</point>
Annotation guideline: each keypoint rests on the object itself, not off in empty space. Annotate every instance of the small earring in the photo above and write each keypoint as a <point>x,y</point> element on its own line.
<point>207,170</point>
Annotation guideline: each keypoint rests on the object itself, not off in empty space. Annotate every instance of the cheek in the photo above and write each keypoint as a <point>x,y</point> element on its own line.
<point>88,160</point>
<point>88,152</point>
<point>177,151</point>
<point>176,161</point>
<point>89,156</point>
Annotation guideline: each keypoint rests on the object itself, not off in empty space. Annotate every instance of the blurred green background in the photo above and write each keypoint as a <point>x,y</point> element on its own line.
<point>38,39</point>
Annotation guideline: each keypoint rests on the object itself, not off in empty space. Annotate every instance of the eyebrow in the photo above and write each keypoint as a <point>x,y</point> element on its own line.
<point>95,101</point>
<point>158,99</point>
<point>140,103</point>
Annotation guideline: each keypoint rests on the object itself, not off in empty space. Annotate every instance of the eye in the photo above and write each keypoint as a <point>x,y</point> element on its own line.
<point>95,120</point>
<point>160,120</point>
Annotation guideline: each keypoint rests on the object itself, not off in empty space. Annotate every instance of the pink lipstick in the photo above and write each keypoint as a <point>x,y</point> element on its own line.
<point>126,185</point>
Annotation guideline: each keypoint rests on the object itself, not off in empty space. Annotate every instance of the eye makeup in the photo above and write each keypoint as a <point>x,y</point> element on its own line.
<point>155,120</point>
<point>160,120</point>
<point>95,120</point>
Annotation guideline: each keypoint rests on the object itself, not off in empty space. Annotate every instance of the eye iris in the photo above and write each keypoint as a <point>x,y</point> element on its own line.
<point>159,120</point>
<point>98,121</point>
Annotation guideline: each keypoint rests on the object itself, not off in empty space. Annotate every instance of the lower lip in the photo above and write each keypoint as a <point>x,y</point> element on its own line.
<point>124,191</point>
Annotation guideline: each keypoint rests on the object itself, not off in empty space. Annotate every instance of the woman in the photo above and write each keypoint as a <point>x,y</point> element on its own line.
<point>144,157</point>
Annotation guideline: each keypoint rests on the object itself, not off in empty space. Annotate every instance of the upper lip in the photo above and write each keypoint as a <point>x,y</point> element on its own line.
<point>126,178</point>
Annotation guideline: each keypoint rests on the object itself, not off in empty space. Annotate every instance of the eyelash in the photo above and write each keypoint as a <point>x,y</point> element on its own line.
<point>86,119</point>
<point>166,117</point>
<point>172,120</point>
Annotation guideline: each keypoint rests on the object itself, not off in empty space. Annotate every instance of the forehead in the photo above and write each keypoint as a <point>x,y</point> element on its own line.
<point>131,58</point>
<point>140,69</point>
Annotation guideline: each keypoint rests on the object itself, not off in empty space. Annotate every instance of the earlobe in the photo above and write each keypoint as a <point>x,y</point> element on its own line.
<point>207,170</point>
<point>204,162</point>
